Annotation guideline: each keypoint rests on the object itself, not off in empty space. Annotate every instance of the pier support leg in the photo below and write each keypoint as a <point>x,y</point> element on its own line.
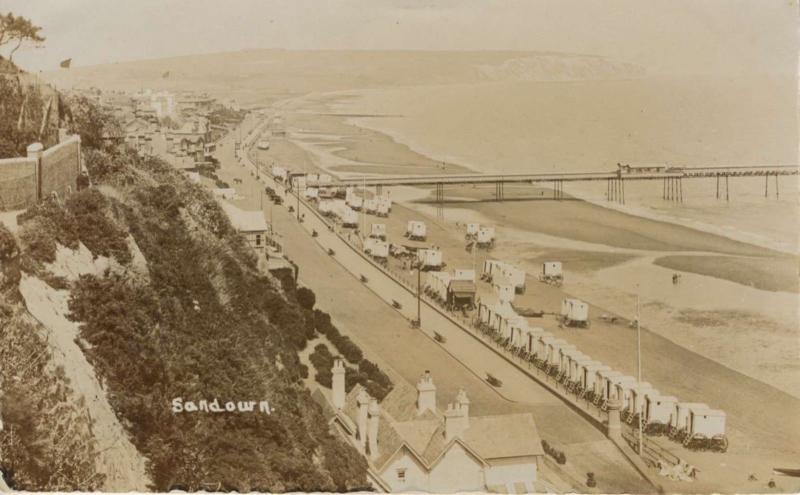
<point>717,186</point>
<point>776,186</point>
<point>378,190</point>
<point>680,189</point>
<point>622,182</point>
<point>766,185</point>
<point>727,191</point>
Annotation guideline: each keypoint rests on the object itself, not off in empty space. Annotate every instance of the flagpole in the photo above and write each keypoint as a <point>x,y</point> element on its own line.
<point>639,365</point>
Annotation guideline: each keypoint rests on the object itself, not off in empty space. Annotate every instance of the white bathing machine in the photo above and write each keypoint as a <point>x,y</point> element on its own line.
<point>658,411</point>
<point>529,337</point>
<point>376,248</point>
<point>491,268</point>
<point>472,230</point>
<point>589,375</point>
<point>311,193</point>
<point>605,382</point>
<point>680,420</point>
<point>574,312</point>
<point>355,202</point>
<point>514,275</point>
<point>706,430</point>
<point>543,346</point>
<point>564,353</point>
<point>501,312</point>
<point>635,404</point>
<point>517,326</point>
<point>378,231</point>
<point>485,236</point>
<point>554,352</point>
<point>325,207</point>
<point>576,363</point>
<point>416,230</point>
<point>437,285</point>
<point>551,271</point>
<point>430,259</point>
<point>349,218</point>
<point>503,288</point>
<point>382,208</point>
<point>622,388</point>
<point>371,205</point>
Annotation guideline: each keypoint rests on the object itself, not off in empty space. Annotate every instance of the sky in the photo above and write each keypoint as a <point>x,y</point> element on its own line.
<point>726,37</point>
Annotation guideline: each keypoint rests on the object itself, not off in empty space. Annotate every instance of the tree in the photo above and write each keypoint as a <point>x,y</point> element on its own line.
<point>16,31</point>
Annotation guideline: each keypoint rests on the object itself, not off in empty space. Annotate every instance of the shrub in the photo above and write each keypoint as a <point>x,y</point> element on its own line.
<point>306,298</point>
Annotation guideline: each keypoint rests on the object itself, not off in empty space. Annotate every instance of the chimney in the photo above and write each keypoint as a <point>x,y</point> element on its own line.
<point>462,402</point>
<point>426,394</point>
<point>374,415</point>
<point>338,372</point>
<point>363,404</point>
<point>454,422</point>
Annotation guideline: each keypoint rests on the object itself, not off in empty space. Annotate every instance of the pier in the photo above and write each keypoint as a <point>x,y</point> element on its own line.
<point>672,178</point>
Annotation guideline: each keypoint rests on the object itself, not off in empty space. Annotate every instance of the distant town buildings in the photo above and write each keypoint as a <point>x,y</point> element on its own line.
<point>412,445</point>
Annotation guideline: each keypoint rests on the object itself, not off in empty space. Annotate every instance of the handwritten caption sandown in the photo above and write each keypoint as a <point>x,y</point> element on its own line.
<point>215,406</point>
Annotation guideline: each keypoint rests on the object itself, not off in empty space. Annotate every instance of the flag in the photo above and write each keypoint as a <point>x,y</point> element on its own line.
<point>65,63</point>
<point>165,75</point>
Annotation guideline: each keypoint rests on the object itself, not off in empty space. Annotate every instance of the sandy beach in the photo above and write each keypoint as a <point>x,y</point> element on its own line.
<point>607,253</point>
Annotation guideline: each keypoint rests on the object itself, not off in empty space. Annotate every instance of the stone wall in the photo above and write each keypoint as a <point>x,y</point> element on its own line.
<point>17,183</point>
<point>60,168</point>
<point>26,180</point>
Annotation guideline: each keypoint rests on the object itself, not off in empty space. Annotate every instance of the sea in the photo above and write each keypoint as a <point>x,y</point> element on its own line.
<point>573,126</point>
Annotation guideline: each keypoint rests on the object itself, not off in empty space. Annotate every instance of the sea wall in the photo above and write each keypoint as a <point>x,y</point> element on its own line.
<point>26,180</point>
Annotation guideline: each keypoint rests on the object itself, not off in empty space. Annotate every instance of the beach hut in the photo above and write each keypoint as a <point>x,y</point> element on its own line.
<point>416,230</point>
<point>622,386</point>
<point>564,355</point>
<point>658,412</point>
<point>589,375</point>
<point>355,202</point>
<point>430,259</point>
<point>376,248</point>
<point>371,205</point>
<point>311,193</point>
<point>503,288</point>
<point>679,428</point>
<point>437,285</point>
<point>551,272</point>
<point>543,345</point>
<point>378,231</point>
<point>635,404</point>
<point>490,269</point>
<point>574,312</point>
<point>554,353</point>
<point>706,430</point>
<point>604,382</point>
<point>516,276</point>
<point>576,362</point>
<point>485,237</point>
<point>349,217</point>
<point>530,337</point>
<point>472,230</point>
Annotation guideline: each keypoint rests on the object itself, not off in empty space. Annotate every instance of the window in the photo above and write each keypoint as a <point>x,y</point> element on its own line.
<point>401,475</point>
<point>258,239</point>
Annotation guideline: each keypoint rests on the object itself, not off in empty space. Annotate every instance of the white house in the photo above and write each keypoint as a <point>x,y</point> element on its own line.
<point>251,224</point>
<point>412,445</point>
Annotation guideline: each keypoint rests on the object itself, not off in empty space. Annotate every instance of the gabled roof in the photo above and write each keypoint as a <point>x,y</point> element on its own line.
<point>246,221</point>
